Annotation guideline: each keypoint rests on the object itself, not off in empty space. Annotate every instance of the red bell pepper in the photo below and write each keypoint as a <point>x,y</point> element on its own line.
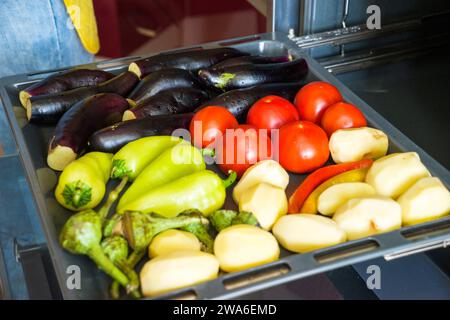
<point>313,180</point>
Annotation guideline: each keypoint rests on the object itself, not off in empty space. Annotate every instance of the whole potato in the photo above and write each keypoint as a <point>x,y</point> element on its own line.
<point>307,232</point>
<point>176,270</point>
<point>240,247</point>
<point>173,240</point>
<point>347,145</point>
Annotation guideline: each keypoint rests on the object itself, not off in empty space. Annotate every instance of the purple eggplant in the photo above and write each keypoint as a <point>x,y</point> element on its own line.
<point>50,108</point>
<point>192,60</point>
<point>63,81</point>
<point>174,101</point>
<point>79,123</point>
<point>246,60</point>
<point>114,137</point>
<point>242,76</point>
<point>240,100</point>
<point>162,80</point>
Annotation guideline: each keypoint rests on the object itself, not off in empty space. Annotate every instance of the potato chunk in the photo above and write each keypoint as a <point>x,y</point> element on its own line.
<point>173,240</point>
<point>366,216</point>
<point>394,174</point>
<point>241,246</point>
<point>307,232</point>
<point>177,270</point>
<point>268,171</point>
<point>427,199</point>
<point>336,195</point>
<point>347,145</point>
<point>266,202</point>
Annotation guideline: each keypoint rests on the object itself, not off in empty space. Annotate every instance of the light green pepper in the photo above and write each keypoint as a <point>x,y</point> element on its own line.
<point>82,184</point>
<point>132,158</point>
<point>204,191</point>
<point>174,163</point>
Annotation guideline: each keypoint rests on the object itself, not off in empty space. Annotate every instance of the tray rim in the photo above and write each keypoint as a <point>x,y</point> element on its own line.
<point>301,265</point>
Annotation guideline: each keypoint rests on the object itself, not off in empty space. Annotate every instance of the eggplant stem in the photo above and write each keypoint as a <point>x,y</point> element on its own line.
<point>232,175</point>
<point>112,197</point>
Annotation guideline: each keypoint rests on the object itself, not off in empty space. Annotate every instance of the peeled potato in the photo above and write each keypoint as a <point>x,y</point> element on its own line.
<point>241,246</point>
<point>366,216</point>
<point>347,145</point>
<point>173,240</point>
<point>394,174</point>
<point>266,202</point>
<point>307,232</point>
<point>268,171</point>
<point>425,200</point>
<point>176,270</point>
<point>336,195</point>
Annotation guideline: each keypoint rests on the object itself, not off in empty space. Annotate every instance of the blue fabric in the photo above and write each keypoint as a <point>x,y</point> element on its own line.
<point>37,35</point>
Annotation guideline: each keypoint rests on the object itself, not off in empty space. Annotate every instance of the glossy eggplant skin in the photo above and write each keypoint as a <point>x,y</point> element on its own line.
<point>112,138</point>
<point>50,108</point>
<point>192,60</point>
<point>68,80</point>
<point>162,80</point>
<point>242,76</point>
<point>79,123</point>
<point>175,101</point>
<point>246,60</point>
<point>239,101</point>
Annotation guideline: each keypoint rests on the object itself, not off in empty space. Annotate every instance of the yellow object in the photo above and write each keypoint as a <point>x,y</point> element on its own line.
<point>171,241</point>
<point>310,205</point>
<point>268,171</point>
<point>307,232</point>
<point>366,216</point>
<point>244,246</point>
<point>82,14</point>
<point>266,202</point>
<point>394,174</point>
<point>425,200</point>
<point>177,270</point>
<point>337,195</point>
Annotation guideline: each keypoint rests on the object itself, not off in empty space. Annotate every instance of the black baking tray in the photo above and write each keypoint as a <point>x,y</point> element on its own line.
<point>32,143</point>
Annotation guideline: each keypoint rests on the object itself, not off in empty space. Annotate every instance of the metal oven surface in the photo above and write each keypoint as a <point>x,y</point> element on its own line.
<point>32,143</point>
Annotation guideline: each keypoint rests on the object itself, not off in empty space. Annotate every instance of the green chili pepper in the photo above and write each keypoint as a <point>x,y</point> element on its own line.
<point>204,191</point>
<point>135,156</point>
<point>82,183</point>
<point>174,163</point>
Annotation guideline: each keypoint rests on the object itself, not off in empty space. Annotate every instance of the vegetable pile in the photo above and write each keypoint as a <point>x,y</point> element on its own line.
<point>156,131</point>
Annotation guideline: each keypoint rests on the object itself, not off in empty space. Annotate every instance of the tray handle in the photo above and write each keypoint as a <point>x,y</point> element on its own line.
<point>103,64</point>
<point>417,249</point>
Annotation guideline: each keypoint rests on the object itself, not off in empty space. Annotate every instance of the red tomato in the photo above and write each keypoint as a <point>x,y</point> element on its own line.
<point>241,148</point>
<point>209,123</point>
<point>271,112</point>
<point>342,115</point>
<point>303,146</point>
<point>312,100</point>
